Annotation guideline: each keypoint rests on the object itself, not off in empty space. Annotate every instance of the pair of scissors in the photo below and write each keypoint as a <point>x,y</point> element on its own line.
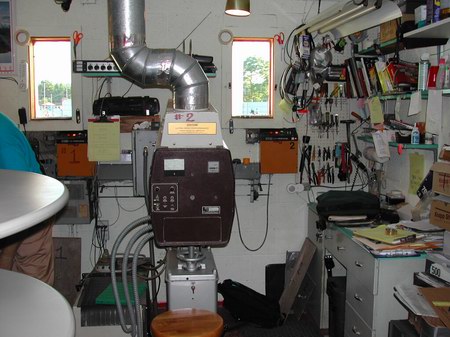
<point>279,38</point>
<point>77,37</point>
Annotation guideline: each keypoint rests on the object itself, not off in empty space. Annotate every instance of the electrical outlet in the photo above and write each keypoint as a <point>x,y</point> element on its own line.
<point>104,226</point>
<point>251,136</point>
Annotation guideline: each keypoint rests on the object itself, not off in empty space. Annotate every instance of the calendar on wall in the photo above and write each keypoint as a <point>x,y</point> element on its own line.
<point>6,37</point>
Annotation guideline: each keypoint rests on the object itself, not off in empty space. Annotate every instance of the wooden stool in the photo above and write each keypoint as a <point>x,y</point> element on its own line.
<point>187,323</point>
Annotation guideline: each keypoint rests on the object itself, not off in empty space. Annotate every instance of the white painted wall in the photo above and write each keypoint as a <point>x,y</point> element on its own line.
<point>168,23</point>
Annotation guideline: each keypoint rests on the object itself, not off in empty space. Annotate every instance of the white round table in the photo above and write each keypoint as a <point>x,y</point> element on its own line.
<point>27,199</point>
<point>29,307</point>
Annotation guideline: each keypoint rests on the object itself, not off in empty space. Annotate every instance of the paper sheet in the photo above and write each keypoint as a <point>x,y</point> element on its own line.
<point>104,140</point>
<point>416,171</point>
<point>415,103</point>
<point>434,112</point>
<point>376,111</point>
<point>411,296</point>
<point>381,143</point>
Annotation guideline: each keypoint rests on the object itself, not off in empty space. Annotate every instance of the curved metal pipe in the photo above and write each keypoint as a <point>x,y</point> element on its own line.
<point>153,67</point>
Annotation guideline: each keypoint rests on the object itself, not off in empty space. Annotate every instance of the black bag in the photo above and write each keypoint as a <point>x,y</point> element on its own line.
<point>348,203</point>
<point>247,305</point>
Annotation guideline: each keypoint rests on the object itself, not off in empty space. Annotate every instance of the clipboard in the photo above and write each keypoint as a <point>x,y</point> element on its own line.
<point>104,138</point>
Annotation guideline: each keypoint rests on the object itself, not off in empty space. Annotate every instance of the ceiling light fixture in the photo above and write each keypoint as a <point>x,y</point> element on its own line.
<point>238,7</point>
<point>346,17</point>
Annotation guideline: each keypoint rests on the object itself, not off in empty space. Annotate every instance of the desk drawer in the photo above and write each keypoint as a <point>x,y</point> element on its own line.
<point>337,244</point>
<point>354,325</point>
<point>357,260</point>
<point>363,266</point>
<point>360,299</point>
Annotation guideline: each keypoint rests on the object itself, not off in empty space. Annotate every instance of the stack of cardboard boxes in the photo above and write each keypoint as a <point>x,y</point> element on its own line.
<point>440,206</point>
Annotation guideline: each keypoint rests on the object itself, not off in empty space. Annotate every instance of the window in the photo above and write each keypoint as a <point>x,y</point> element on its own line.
<point>50,78</point>
<point>252,77</point>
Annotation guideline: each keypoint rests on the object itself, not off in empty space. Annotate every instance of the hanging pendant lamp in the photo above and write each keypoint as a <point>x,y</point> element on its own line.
<point>238,7</point>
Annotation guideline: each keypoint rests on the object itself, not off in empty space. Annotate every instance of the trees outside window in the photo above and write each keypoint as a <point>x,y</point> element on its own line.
<point>252,77</point>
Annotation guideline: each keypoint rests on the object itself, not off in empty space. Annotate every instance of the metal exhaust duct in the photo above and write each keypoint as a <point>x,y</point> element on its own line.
<point>153,67</point>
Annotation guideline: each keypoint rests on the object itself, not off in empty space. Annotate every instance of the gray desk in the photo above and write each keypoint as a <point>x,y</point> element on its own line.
<point>370,303</point>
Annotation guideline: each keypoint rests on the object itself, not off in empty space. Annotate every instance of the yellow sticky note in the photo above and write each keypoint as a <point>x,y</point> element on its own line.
<point>376,110</point>
<point>416,171</point>
<point>104,141</point>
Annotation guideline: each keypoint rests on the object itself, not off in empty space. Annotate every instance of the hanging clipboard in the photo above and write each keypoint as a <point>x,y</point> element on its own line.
<point>104,138</point>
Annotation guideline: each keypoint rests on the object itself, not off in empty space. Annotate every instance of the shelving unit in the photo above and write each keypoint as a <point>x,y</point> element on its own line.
<point>436,30</point>
<point>406,146</point>
<point>434,34</point>
<point>389,47</point>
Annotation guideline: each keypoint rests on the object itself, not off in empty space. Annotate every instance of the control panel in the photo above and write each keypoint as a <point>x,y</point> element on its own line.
<point>165,197</point>
<point>81,66</point>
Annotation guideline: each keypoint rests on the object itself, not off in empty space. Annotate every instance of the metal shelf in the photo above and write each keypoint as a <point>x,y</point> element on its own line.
<point>406,146</point>
<point>437,30</point>
<point>389,47</point>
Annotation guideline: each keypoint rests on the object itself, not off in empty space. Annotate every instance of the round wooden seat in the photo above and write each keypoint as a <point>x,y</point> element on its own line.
<point>187,323</point>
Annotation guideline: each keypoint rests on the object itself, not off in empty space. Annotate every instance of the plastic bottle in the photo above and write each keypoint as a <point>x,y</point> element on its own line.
<point>440,74</point>
<point>415,135</point>
<point>447,75</point>
<point>424,68</point>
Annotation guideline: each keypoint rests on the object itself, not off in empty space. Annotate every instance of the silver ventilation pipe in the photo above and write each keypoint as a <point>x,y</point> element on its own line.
<point>153,67</point>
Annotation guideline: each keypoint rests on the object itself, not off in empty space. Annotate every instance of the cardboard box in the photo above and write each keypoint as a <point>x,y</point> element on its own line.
<point>388,31</point>
<point>441,178</point>
<point>440,212</point>
<point>445,153</point>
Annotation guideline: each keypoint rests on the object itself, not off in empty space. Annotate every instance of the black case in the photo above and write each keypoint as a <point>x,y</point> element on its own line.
<point>247,305</point>
<point>348,203</point>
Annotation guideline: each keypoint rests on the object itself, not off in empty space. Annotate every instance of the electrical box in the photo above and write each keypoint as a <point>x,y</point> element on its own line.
<point>71,154</point>
<point>79,208</point>
<point>191,289</point>
<point>278,150</point>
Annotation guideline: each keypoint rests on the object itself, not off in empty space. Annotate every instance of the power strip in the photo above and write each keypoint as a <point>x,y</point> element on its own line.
<point>102,67</point>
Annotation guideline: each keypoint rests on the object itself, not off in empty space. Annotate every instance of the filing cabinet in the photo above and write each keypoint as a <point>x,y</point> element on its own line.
<point>370,302</point>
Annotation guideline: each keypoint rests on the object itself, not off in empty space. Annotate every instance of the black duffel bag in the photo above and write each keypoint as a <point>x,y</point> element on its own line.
<point>347,203</point>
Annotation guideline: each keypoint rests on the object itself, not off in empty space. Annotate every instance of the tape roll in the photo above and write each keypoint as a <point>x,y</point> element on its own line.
<point>223,36</point>
<point>22,37</point>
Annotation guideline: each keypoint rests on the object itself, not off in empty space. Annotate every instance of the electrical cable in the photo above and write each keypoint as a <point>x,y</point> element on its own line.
<point>267,221</point>
<point>135,224</point>
<point>151,246</point>
<point>9,78</point>
<point>134,279</point>
<point>126,292</point>
<point>126,92</point>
